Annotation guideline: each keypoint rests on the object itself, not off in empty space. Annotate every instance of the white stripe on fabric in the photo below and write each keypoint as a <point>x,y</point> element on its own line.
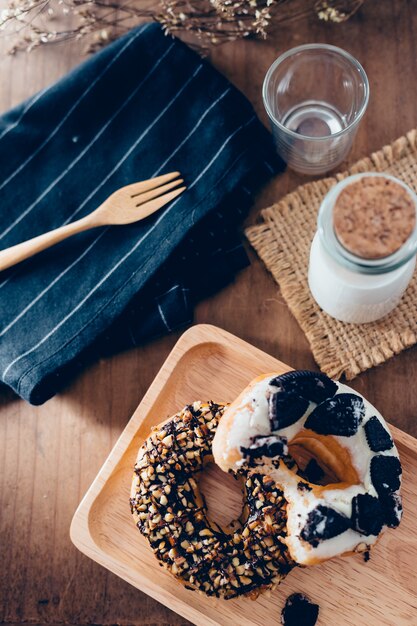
<point>269,166</point>
<point>191,132</point>
<point>89,88</point>
<point>184,297</point>
<point>29,306</point>
<point>121,260</point>
<point>167,292</point>
<point>129,152</point>
<point>5,281</point>
<point>29,105</point>
<point>56,279</point>
<point>215,157</point>
<point>161,313</point>
<point>85,150</point>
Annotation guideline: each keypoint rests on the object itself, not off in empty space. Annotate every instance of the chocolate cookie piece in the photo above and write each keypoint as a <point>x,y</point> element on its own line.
<point>392,509</point>
<point>269,446</point>
<point>323,523</point>
<point>340,415</point>
<point>385,473</point>
<point>367,514</point>
<point>313,472</point>
<point>299,611</point>
<point>313,386</point>
<point>285,408</point>
<point>377,437</point>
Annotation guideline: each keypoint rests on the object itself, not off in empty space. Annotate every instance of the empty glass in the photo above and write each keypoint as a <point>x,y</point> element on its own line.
<point>315,95</point>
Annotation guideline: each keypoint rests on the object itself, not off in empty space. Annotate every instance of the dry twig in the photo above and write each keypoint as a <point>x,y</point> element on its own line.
<point>41,22</point>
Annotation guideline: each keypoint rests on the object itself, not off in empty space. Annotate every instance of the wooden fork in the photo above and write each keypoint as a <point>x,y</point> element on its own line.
<point>126,205</point>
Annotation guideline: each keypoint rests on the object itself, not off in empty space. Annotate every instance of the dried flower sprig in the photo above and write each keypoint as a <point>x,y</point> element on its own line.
<point>39,22</point>
<point>337,10</point>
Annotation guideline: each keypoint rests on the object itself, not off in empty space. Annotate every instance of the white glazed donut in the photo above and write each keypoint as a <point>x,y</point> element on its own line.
<point>326,426</point>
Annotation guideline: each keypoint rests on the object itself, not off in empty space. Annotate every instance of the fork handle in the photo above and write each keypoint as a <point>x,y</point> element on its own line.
<point>21,251</point>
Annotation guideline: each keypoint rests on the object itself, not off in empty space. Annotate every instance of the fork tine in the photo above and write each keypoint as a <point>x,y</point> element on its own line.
<point>150,207</point>
<point>154,193</point>
<point>146,185</point>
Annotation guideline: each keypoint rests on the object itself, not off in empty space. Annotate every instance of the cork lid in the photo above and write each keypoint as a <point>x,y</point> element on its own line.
<point>373,217</point>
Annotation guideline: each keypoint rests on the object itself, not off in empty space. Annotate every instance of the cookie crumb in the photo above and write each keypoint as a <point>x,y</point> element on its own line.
<point>313,472</point>
<point>299,611</point>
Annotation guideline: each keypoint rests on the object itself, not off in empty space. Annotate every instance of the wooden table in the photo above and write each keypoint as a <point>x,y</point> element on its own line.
<point>49,455</point>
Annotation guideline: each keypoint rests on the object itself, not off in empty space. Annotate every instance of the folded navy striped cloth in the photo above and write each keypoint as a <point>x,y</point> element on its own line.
<point>144,106</point>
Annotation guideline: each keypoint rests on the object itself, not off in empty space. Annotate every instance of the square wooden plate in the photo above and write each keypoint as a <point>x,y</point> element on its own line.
<point>209,363</point>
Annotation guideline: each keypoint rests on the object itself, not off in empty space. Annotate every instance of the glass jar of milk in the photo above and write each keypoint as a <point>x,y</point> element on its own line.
<point>363,254</point>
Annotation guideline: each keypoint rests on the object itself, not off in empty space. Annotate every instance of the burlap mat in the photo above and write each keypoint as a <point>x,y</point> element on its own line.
<point>283,240</point>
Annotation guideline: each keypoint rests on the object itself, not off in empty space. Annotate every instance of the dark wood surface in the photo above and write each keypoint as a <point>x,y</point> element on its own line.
<point>49,455</point>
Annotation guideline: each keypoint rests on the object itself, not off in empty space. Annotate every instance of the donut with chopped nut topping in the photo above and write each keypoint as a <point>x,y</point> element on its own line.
<point>244,559</point>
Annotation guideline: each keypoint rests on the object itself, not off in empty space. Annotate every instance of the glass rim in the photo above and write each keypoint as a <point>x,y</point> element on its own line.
<point>306,48</point>
<point>349,260</point>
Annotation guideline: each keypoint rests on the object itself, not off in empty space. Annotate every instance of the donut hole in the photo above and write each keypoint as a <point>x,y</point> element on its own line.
<point>322,460</point>
<point>312,468</point>
<point>223,496</point>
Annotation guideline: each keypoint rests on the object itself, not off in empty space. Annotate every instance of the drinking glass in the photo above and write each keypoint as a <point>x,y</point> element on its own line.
<point>315,96</point>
